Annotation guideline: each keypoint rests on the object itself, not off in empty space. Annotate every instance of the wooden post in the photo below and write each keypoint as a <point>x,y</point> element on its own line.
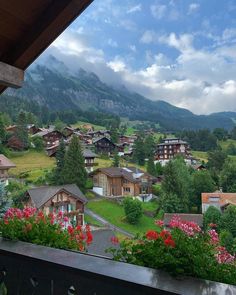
<point>11,76</point>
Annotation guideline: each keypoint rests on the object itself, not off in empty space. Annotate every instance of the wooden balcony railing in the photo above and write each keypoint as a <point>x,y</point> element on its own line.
<point>30,269</point>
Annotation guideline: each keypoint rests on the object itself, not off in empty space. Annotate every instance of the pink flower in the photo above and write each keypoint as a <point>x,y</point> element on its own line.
<point>214,236</point>
<point>66,219</point>
<point>159,222</point>
<point>223,256</point>
<point>190,228</point>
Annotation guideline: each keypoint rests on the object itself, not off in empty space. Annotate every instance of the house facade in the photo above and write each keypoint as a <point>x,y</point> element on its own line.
<point>170,148</point>
<point>89,160</point>
<point>217,199</point>
<point>104,145</point>
<point>115,181</point>
<point>50,137</point>
<point>5,165</point>
<point>67,199</point>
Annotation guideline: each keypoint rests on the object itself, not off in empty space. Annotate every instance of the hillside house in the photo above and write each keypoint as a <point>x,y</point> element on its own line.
<point>116,181</point>
<point>170,148</point>
<point>104,145</point>
<point>5,165</point>
<point>50,137</point>
<point>217,199</point>
<point>129,140</point>
<point>66,198</point>
<point>89,160</point>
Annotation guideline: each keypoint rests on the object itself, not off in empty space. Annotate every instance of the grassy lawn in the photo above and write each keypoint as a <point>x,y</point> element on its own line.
<point>32,162</point>
<point>92,221</point>
<point>226,143</point>
<point>200,155</point>
<point>96,127</point>
<point>114,213</point>
<point>104,163</point>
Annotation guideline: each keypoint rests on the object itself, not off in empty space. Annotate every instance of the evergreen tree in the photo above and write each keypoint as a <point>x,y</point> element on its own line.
<point>149,146</point>
<point>159,169</point>
<point>114,135</point>
<point>57,174</point>
<point>228,176</point>
<point>212,215</point>
<point>2,130</point>
<point>21,132</point>
<point>151,168</point>
<point>116,160</point>
<point>74,166</point>
<point>228,220</point>
<point>202,182</point>
<point>177,183</point>
<point>139,151</point>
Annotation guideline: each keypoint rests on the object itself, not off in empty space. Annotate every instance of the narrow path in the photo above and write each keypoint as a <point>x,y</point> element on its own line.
<point>107,223</point>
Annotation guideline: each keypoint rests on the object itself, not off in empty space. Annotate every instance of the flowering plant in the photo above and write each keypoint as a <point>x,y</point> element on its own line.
<point>182,250</point>
<point>51,230</point>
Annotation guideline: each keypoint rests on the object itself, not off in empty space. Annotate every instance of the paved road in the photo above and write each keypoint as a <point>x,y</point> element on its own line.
<point>107,223</point>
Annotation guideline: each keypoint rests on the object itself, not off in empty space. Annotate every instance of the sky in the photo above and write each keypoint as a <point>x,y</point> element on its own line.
<point>179,51</point>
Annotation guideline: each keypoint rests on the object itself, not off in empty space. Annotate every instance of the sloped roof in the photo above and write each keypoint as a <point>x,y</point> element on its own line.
<point>132,174</point>
<point>5,162</point>
<point>89,154</point>
<point>28,27</point>
<point>40,195</point>
<point>224,198</point>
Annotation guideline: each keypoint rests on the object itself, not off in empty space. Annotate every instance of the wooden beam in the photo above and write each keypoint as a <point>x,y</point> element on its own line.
<point>11,76</point>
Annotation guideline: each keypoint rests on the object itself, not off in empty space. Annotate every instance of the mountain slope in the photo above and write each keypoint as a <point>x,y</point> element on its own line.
<point>58,89</point>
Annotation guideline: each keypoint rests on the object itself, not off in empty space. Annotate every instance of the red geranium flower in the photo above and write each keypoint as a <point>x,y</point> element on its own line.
<point>152,235</point>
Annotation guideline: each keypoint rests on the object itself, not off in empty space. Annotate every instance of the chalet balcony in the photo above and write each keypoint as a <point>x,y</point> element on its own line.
<point>91,164</point>
<point>31,269</point>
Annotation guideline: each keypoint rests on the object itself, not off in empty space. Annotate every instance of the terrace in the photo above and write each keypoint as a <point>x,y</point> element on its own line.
<point>31,269</point>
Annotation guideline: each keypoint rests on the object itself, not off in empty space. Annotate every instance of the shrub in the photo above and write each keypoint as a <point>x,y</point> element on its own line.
<point>186,250</point>
<point>133,210</point>
<point>51,230</point>
<point>212,215</point>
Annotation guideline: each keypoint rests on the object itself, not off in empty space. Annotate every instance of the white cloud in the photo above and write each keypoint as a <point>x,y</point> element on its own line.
<point>117,65</point>
<point>135,8</point>
<point>158,11</point>
<point>112,43</point>
<point>148,37</point>
<point>193,7</point>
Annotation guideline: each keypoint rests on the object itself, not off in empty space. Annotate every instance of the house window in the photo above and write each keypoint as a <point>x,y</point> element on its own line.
<point>127,189</point>
<point>214,199</point>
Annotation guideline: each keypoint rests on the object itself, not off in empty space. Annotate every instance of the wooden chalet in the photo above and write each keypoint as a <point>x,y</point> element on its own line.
<point>66,198</point>
<point>50,137</point>
<point>5,165</point>
<point>126,181</point>
<point>104,145</point>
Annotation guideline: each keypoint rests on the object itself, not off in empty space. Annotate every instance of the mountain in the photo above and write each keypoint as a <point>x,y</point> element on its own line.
<point>59,89</point>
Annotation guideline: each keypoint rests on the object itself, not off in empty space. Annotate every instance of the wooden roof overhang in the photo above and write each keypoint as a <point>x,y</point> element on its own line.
<point>27,28</point>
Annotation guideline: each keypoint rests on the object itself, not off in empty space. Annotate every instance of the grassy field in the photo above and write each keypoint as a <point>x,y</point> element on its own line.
<point>226,143</point>
<point>103,163</point>
<point>96,127</point>
<point>90,220</point>
<point>114,213</point>
<point>32,162</point>
<point>200,155</point>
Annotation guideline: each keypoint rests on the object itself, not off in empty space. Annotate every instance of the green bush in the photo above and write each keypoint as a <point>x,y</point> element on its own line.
<point>133,210</point>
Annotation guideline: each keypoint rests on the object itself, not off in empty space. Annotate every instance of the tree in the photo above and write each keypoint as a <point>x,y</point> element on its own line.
<point>228,220</point>
<point>116,160</point>
<point>227,240</point>
<point>202,182</point>
<point>159,169</point>
<point>151,168</point>
<point>216,160</point>
<point>170,203</point>
<point>220,133</point>
<point>59,125</point>
<point>139,151</point>
<point>38,143</point>
<point>177,182</point>
<point>74,166</point>
<point>233,133</point>
<point>231,149</point>
<point>114,135</point>
<point>21,132</point>
<point>212,215</point>
<point>2,130</point>
<point>228,176</point>
<point>149,146</point>
<point>133,210</point>
<point>5,202</point>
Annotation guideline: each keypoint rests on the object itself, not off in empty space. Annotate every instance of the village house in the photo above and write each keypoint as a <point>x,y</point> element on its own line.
<point>50,137</point>
<point>170,148</point>
<point>5,165</point>
<point>99,133</point>
<point>129,140</point>
<point>65,198</point>
<point>89,160</point>
<point>104,145</point>
<point>115,181</point>
<point>217,199</point>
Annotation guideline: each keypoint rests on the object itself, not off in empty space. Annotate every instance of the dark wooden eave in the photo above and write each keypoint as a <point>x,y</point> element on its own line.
<point>28,27</point>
